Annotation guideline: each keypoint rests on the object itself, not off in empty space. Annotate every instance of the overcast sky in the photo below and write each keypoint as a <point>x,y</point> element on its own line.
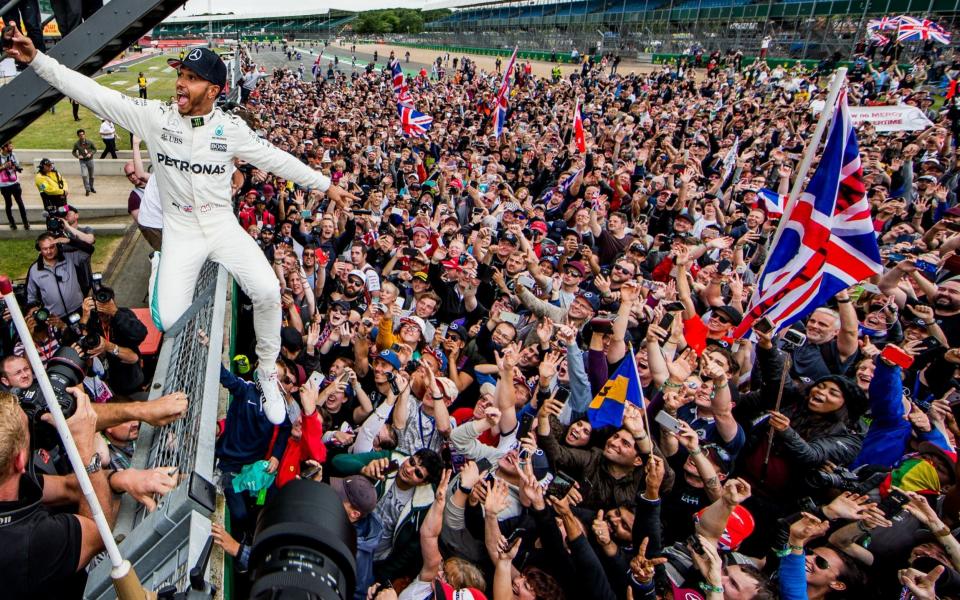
<point>254,7</point>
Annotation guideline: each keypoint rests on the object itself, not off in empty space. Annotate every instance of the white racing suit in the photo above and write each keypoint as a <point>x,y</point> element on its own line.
<point>193,159</point>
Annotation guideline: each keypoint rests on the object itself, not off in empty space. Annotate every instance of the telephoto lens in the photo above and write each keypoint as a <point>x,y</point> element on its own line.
<point>304,546</point>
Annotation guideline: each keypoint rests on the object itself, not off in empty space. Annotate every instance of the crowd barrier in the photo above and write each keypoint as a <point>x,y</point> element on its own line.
<point>163,545</point>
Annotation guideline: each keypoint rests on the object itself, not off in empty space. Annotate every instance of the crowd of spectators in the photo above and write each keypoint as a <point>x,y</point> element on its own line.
<point>444,337</point>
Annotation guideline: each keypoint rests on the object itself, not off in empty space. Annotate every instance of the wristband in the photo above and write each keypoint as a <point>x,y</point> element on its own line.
<point>847,301</point>
<point>466,491</point>
<point>669,384</point>
<point>720,386</point>
<point>640,437</point>
<point>696,451</point>
<point>716,589</point>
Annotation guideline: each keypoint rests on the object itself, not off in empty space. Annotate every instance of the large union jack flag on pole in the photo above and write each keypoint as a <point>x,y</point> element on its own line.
<point>912,30</point>
<point>826,243</point>
<point>500,115</point>
<point>412,122</point>
<point>400,88</point>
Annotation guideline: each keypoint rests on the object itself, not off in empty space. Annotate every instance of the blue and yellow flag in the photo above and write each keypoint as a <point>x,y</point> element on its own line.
<point>624,386</point>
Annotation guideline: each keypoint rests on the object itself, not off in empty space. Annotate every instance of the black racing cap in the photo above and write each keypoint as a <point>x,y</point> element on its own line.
<point>205,63</point>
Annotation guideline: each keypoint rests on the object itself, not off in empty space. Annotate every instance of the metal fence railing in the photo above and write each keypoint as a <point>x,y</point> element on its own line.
<point>163,545</point>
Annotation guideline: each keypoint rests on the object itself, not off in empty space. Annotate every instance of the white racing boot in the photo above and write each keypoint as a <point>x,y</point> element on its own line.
<point>268,381</point>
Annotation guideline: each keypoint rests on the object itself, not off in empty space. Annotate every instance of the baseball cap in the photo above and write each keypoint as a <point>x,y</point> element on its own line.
<point>685,215</point>
<point>205,63</point>
<point>459,330</point>
<point>421,275</point>
<point>358,273</point>
<point>739,527</point>
<point>439,354</point>
<point>538,226</point>
<point>509,238</point>
<point>418,322</point>
<point>422,230</point>
<point>390,357</point>
<point>291,339</point>
<point>448,388</point>
<point>731,313</point>
<point>488,389</point>
<point>590,297</point>
<point>358,491</point>
<point>576,265</point>
<point>341,304</point>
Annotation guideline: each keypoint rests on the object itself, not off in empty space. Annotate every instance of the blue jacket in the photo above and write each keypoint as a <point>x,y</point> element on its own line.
<point>793,577</point>
<point>247,433</point>
<point>889,432</point>
<point>369,530</point>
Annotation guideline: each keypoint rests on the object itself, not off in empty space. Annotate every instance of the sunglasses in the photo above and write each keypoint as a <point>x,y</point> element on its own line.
<point>623,269</point>
<point>289,381</point>
<point>418,471</point>
<point>722,319</point>
<point>821,563</point>
<point>573,273</point>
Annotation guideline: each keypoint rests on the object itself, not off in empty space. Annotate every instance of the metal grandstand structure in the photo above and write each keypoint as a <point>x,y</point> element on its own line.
<point>310,23</point>
<point>798,28</point>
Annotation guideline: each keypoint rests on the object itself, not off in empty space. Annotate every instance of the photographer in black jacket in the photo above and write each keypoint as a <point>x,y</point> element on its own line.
<point>113,334</point>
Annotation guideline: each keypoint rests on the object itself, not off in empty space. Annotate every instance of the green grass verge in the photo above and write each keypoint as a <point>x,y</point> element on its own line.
<point>57,130</point>
<point>16,256</point>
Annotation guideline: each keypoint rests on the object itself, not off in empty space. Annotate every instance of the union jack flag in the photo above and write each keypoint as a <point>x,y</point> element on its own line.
<point>883,24</point>
<point>879,39</point>
<point>770,202</point>
<point>317,68</point>
<point>413,123</point>
<point>561,189</point>
<point>826,243</point>
<point>912,29</point>
<point>400,88</point>
<point>500,116</point>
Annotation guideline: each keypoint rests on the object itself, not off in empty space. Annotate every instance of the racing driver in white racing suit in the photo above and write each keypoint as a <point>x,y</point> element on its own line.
<point>192,146</point>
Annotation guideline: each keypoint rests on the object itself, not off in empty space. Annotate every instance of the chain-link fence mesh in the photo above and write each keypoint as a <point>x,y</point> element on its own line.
<point>163,545</point>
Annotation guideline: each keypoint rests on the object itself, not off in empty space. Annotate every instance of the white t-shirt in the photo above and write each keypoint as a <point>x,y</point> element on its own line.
<point>151,213</point>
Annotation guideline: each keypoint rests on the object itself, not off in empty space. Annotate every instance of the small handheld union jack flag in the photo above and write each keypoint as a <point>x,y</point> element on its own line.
<point>771,202</point>
<point>826,242</point>
<point>500,115</point>
<point>413,123</point>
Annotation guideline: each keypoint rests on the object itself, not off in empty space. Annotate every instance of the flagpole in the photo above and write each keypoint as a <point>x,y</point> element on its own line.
<point>839,77</point>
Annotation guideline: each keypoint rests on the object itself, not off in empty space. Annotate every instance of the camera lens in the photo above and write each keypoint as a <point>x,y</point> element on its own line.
<point>41,315</point>
<point>89,342</point>
<point>103,295</point>
<point>65,369</point>
<point>304,545</point>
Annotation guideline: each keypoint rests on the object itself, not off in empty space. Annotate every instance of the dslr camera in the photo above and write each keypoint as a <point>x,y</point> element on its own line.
<point>100,292</point>
<point>54,224</point>
<point>64,369</point>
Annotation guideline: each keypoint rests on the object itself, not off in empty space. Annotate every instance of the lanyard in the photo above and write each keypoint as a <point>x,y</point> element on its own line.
<point>426,443</point>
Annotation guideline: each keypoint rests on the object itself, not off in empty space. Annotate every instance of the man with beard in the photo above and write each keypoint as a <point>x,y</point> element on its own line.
<point>946,307</point>
<point>832,344</point>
